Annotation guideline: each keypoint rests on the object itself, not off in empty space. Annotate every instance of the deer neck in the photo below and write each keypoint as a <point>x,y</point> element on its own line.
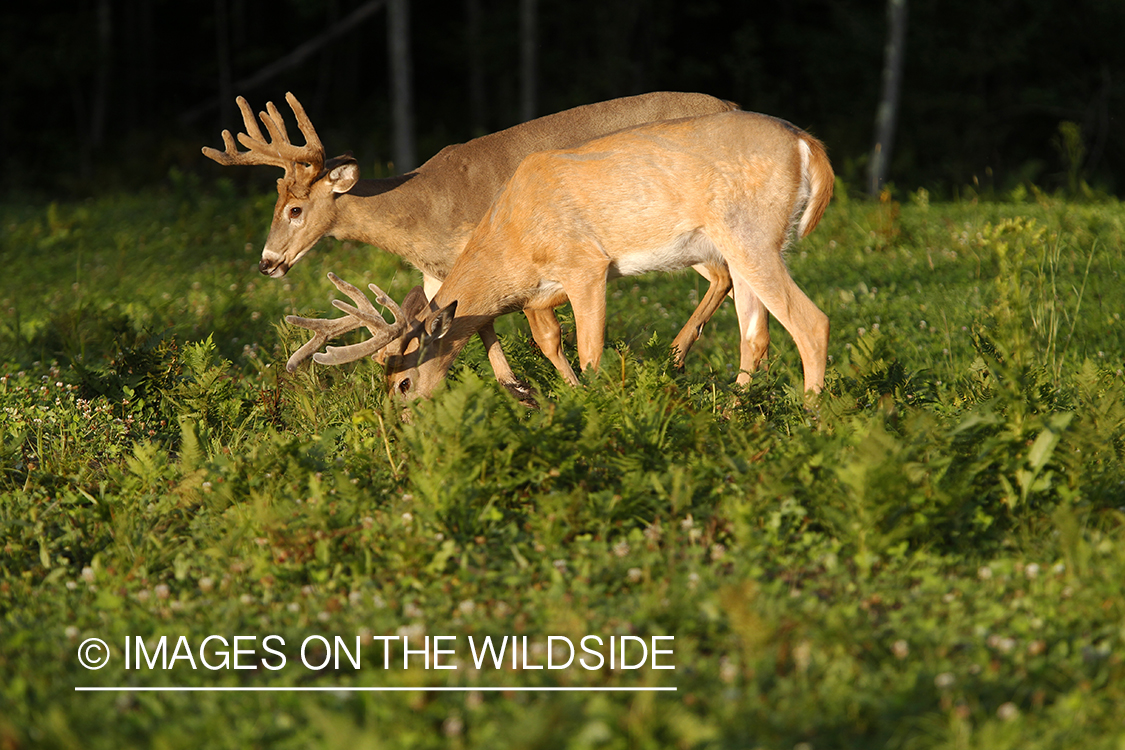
<point>394,215</point>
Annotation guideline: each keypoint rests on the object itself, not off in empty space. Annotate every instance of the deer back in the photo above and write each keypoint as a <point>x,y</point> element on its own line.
<point>637,198</point>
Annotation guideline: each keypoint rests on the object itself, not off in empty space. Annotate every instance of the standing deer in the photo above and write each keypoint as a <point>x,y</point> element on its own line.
<point>427,216</point>
<point>722,190</point>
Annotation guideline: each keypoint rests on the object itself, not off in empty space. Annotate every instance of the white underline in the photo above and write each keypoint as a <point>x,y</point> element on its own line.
<point>320,689</point>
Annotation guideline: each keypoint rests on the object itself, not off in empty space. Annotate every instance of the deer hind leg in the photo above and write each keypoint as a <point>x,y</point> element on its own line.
<point>756,257</point>
<point>720,278</point>
<point>547,333</point>
<point>753,328</point>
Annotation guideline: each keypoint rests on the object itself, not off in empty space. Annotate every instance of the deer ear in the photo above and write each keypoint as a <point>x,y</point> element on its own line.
<point>343,174</point>
<point>441,322</point>
<point>414,302</point>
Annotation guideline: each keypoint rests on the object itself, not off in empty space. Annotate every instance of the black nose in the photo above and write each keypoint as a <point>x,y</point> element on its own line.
<point>269,267</point>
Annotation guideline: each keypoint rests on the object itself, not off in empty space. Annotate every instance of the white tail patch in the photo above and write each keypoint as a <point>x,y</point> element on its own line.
<point>806,190</point>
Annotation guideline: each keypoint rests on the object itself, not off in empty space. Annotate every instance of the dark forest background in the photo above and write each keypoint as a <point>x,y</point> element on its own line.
<point>121,94</point>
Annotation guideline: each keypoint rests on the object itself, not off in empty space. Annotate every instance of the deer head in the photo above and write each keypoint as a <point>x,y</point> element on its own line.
<point>417,360</point>
<point>416,350</point>
<point>305,209</point>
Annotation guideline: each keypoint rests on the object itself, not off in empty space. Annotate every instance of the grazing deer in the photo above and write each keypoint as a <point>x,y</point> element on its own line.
<point>427,216</point>
<point>722,190</point>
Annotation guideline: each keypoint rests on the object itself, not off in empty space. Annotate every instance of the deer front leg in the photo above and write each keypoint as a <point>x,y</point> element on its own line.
<point>496,358</point>
<point>548,335</point>
<point>720,278</point>
<point>503,371</point>
<point>586,290</point>
<point>430,285</point>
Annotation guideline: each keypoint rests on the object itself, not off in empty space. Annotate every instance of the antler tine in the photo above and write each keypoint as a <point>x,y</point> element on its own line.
<point>338,355</point>
<point>278,150</point>
<point>366,311</point>
<point>248,120</point>
<point>252,139</point>
<point>312,140</point>
<point>365,315</point>
<point>323,332</point>
<point>278,123</point>
<point>385,300</point>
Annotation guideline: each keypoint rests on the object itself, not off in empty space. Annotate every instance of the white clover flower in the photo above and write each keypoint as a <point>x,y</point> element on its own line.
<point>452,726</point>
<point>728,672</point>
<point>414,630</point>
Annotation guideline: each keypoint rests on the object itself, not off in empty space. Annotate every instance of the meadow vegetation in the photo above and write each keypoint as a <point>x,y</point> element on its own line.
<point>931,557</point>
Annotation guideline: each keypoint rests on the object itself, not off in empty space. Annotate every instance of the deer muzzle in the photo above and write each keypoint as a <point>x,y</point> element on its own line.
<point>274,268</point>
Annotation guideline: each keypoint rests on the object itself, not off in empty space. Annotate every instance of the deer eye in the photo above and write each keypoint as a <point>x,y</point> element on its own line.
<point>404,386</point>
<point>294,212</point>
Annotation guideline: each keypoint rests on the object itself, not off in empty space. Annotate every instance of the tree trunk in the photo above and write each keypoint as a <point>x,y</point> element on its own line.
<point>528,59</point>
<point>402,86</point>
<point>887,114</point>
<point>91,120</point>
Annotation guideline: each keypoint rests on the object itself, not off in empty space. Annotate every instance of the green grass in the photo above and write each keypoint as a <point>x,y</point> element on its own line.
<point>930,558</point>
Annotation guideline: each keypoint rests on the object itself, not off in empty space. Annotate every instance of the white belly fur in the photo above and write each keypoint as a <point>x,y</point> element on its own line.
<point>686,250</point>
<point>689,249</point>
